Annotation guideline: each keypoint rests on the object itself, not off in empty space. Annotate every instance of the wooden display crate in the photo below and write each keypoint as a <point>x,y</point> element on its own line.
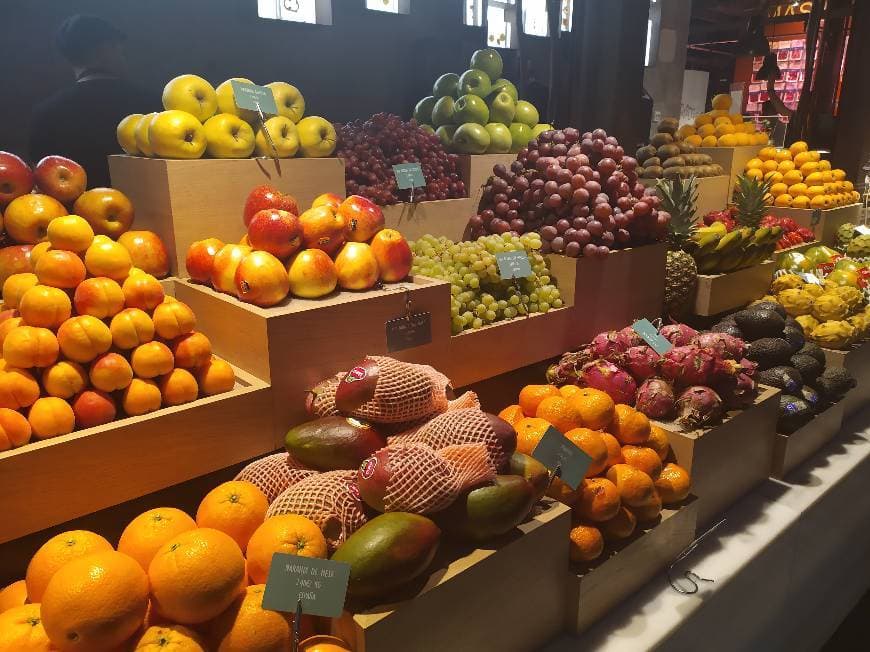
<point>797,249</point>
<point>607,581</point>
<point>185,201</point>
<point>712,193</point>
<point>54,480</point>
<point>824,223</point>
<point>509,596</point>
<point>448,218</point>
<point>857,361</point>
<point>476,169</point>
<point>717,293</point>
<point>791,450</point>
<point>732,159</point>
<point>728,460</point>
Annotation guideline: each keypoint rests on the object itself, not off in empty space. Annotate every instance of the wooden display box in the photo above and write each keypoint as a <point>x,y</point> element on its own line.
<point>185,201</point>
<point>824,223</point>
<point>732,159</point>
<point>791,450</point>
<point>508,597</point>
<point>728,460</point>
<point>717,293</point>
<point>857,361</point>
<point>797,249</point>
<point>712,193</point>
<point>625,568</point>
<point>446,218</point>
<point>54,480</point>
<point>476,169</point>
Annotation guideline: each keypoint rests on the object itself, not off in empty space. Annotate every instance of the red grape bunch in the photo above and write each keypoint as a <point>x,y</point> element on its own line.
<point>371,148</point>
<point>579,191</point>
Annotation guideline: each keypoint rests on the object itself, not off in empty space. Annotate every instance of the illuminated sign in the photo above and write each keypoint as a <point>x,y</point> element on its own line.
<point>789,9</point>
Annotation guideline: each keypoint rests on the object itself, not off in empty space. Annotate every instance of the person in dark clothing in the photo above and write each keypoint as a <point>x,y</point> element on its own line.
<point>80,121</point>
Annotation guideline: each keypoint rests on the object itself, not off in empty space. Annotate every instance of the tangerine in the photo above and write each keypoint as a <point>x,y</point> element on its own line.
<point>620,526</point>
<point>586,543</point>
<point>598,500</point>
<point>673,483</point>
<point>629,426</point>
<point>288,533</point>
<point>557,411</point>
<point>591,443</point>
<point>146,533</point>
<point>594,407</point>
<point>531,396</point>
<point>236,508</point>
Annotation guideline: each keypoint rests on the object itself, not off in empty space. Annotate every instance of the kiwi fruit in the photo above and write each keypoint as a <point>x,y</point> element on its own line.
<point>668,125</point>
<point>644,153</point>
<point>686,148</point>
<point>674,162</point>
<point>672,173</point>
<point>662,139</point>
<point>652,172</point>
<point>652,160</point>
<point>667,151</point>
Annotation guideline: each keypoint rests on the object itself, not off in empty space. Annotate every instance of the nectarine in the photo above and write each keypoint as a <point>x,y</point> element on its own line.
<point>110,372</point>
<point>173,319</point>
<point>141,397</point>
<point>200,259</point>
<point>191,350</point>
<point>226,261</point>
<point>93,408</point>
<point>147,252</point>
<point>178,386</point>
<point>152,359</point>
<point>46,306</point>
<point>30,346</point>
<point>100,297</point>
<point>61,269</point>
<point>15,286</point>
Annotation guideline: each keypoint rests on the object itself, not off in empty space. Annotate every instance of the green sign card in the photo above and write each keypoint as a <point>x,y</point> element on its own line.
<point>409,175</point>
<point>248,96</point>
<point>555,451</point>
<point>650,335</point>
<point>513,264</point>
<point>320,584</point>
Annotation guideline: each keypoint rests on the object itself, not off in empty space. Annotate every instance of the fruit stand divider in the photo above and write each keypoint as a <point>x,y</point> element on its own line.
<point>857,361</point>
<point>728,460</point>
<point>732,159</point>
<point>447,218</point>
<point>790,450</point>
<point>797,249</point>
<point>185,201</point>
<point>509,596</point>
<point>831,220</point>
<point>712,193</point>
<point>476,169</point>
<point>717,293</point>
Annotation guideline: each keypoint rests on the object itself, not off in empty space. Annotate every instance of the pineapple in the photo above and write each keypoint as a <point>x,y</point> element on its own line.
<point>752,199</point>
<point>679,198</point>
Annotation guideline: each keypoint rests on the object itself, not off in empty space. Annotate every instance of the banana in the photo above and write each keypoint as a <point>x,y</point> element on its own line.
<point>706,244</point>
<point>760,235</point>
<point>729,241</point>
<point>708,264</point>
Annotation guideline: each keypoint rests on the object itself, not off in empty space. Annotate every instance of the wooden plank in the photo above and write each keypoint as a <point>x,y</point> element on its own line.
<point>712,193</point>
<point>857,360</point>
<point>826,224</point>
<point>791,450</point>
<point>446,218</point>
<point>732,159</point>
<point>717,293</point>
<point>476,169</point>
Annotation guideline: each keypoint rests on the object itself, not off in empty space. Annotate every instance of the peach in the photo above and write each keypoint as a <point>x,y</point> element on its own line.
<point>106,257</point>
<point>93,408</point>
<point>14,429</point>
<point>141,397</point>
<point>312,274</point>
<point>152,359</point>
<point>110,371</point>
<point>130,328</point>
<point>178,386</point>
<point>7,325</point>
<point>83,338</point>
<point>261,279</point>
<point>356,267</point>
<point>393,254</point>
<point>147,251</point>
<point>30,346</point>
<point>18,389</point>
<point>46,306</point>
<point>200,258</point>
<point>71,233</point>
<point>215,377</point>
<point>60,269</point>
<point>100,297</point>
<point>15,286</point>
<point>173,319</point>
<point>191,350</point>
<point>64,379</point>
<point>142,291</point>
<point>50,416</point>
<point>226,261</point>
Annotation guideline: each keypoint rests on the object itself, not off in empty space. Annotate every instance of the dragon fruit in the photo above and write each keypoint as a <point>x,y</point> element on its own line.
<point>678,334</point>
<point>749,367</point>
<point>721,345</point>
<point>743,394</point>
<point>567,370</point>
<point>610,379</point>
<point>655,398</point>
<point>698,406</point>
<point>627,338</point>
<point>605,345</point>
<point>687,365</point>
<point>642,362</point>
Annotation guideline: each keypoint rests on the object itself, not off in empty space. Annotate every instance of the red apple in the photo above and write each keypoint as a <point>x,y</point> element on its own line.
<point>261,279</point>
<point>393,254</point>
<point>108,211</point>
<point>93,408</point>
<point>223,274</point>
<point>327,199</point>
<point>275,231</point>
<point>16,177</point>
<point>322,228</point>
<point>147,252</point>
<point>14,260</point>
<point>200,259</point>
<point>61,178</point>
<point>266,196</point>
<point>362,217</point>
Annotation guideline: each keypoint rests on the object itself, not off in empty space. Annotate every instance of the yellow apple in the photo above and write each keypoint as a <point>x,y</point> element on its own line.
<point>316,137</point>
<point>176,134</point>
<point>226,101</point>
<point>142,133</point>
<point>190,93</point>
<point>228,136</point>
<point>289,100</point>
<point>284,136</point>
<point>126,133</point>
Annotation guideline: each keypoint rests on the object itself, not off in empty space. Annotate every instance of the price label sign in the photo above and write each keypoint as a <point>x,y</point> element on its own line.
<point>409,332</point>
<point>319,584</point>
<point>862,229</point>
<point>409,175</point>
<point>556,452</point>
<point>650,335</point>
<point>513,264</point>
<point>248,96</point>
<point>815,216</point>
<point>807,277</point>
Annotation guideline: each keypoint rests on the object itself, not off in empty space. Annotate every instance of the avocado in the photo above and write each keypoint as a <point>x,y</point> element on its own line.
<point>808,366</point>
<point>793,413</point>
<point>785,378</point>
<point>794,337</point>
<point>388,552</point>
<point>769,352</point>
<point>771,305</point>
<point>834,383</point>
<point>532,470</point>
<point>333,443</point>
<point>759,323</point>
<point>812,397</point>
<point>488,511</point>
<point>814,350</point>
<point>728,326</point>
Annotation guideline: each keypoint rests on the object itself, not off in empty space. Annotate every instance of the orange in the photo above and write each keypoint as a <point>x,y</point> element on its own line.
<point>178,387</point>
<point>99,297</point>
<point>586,543</point>
<point>635,487</point>
<point>557,411</point>
<point>643,458</point>
<point>130,328</point>
<point>13,595</point>
<point>15,431</point>
<point>658,441</point>
<point>15,286</point>
<point>30,346</point>
<point>289,533</point>
<point>71,233</point>
<point>146,533</point>
<point>673,484</point>
<point>96,602</point>
<point>562,492</point>
<point>83,338</point>
<point>170,638</point>
<point>247,626</point>
<point>173,320</point>
<point>217,376</point>
<point>567,391</point>
<point>55,553</point>
<point>620,526</point>
<point>152,359</point>
<point>591,443</point>
<point>649,510</point>
<point>594,407</point>
<point>236,508</point>
<point>196,575</point>
<point>598,500</point>
<point>64,379</point>
<point>614,450</point>
<point>531,396</point>
<point>629,426</point>
<point>18,389</point>
<point>529,431</point>
<point>512,414</point>
<point>322,643</point>
<point>50,416</point>
<point>21,630</point>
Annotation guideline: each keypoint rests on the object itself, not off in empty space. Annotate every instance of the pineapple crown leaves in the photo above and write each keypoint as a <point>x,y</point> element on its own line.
<point>680,199</point>
<point>752,199</point>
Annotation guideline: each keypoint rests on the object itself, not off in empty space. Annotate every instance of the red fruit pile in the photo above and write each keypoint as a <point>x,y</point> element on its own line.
<point>370,149</point>
<point>727,217</point>
<point>793,234</point>
<point>580,192</point>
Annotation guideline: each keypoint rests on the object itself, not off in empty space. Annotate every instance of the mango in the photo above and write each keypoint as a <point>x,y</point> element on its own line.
<point>532,470</point>
<point>333,443</point>
<point>490,510</point>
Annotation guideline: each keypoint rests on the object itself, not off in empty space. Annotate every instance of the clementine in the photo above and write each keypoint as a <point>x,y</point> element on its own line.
<point>658,441</point>
<point>512,414</point>
<point>529,431</point>
<point>614,450</point>
<point>236,508</point>
<point>635,487</point>
<point>598,500</point>
<point>591,443</point>
<point>289,533</point>
<point>629,426</point>
<point>532,395</point>
<point>620,526</point>
<point>146,533</point>
<point>643,458</point>
<point>586,543</point>
<point>673,483</point>
<point>594,407</point>
<point>557,411</point>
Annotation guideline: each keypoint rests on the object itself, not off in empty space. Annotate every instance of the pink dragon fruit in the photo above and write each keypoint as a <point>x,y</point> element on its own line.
<point>567,370</point>
<point>721,345</point>
<point>610,379</point>
<point>749,367</point>
<point>627,338</point>
<point>604,345</point>
<point>698,406</point>
<point>687,365</point>
<point>742,395</point>
<point>678,334</point>
<point>655,398</point>
<point>642,362</point>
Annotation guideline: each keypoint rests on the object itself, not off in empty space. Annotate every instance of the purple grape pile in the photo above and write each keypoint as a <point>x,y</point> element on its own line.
<point>371,148</point>
<point>579,191</point>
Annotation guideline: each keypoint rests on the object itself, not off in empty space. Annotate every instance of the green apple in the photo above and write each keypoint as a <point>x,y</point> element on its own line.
<point>442,113</point>
<point>500,140</point>
<point>503,84</point>
<point>429,129</point>
<point>317,137</point>
<point>502,108</point>
<point>489,61</point>
<point>527,113</point>
<point>540,128</point>
<point>445,135</point>
<point>475,82</point>
<point>470,108</point>
<point>521,134</point>
<point>446,85</point>
<point>471,138</point>
<point>423,110</point>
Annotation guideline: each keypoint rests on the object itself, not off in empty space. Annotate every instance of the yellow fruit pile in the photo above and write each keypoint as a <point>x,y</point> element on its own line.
<point>801,179</point>
<point>719,128</point>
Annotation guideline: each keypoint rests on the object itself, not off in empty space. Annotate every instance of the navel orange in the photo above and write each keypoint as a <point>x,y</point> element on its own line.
<point>236,507</point>
<point>55,553</point>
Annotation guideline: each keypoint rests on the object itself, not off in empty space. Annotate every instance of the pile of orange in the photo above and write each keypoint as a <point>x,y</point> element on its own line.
<point>172,582</point>
<point>630,476</point>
